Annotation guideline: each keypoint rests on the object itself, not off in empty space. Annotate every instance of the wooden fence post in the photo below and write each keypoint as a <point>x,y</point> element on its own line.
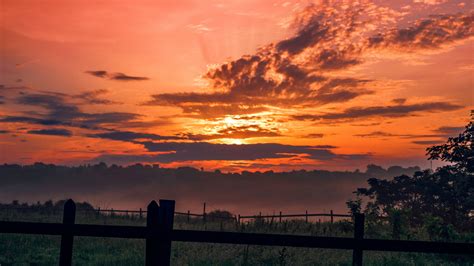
<point>141,214</point>
<point>357,254</point>
<point>280,216</point>
<point>69,217</point>
<point>151,249</point>
<point>238,220</point>
<point>306,216</point>
<point>165,228</point>
<point>204,213</point>
<point>189,214</point>
<point>332,217</point>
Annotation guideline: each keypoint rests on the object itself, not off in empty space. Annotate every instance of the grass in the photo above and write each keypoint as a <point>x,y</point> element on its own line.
<point>18,249</point>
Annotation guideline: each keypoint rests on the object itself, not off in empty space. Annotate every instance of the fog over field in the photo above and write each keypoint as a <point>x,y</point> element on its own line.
<point>134,186</point>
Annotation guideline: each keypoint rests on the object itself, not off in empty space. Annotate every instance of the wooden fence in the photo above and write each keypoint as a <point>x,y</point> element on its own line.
<point>203,216</point>
<point>306,216</point>
<point>159,234</point>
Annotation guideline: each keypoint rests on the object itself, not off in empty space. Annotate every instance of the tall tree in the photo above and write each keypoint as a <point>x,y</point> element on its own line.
<point>447,193</point>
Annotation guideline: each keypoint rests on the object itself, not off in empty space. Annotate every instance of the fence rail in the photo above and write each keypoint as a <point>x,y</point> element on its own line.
<point>203,215</point>
<point>306,216</point>
<point>159,234</point>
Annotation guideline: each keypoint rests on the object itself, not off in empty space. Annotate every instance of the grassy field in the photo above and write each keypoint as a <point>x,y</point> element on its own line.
<point>44,250</point>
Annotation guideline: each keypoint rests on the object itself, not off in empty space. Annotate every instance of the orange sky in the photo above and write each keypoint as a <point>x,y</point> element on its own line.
<point>233,84</point>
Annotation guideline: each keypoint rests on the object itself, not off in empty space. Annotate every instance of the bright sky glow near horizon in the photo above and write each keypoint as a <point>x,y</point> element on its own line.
<point>233,85</point>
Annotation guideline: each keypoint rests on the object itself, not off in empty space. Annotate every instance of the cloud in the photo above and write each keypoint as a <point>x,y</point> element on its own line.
<point>304,70</point>
<point>427,142</point>
<point>430,33</point>
<point>449,131</point>
<point>393,111</point>
<point>92,97</point>
<point>64,109</point>
<point>31,120</point>
<point>438,135</point>
<point>167,152</point>
<point>124,77</point>
<point>430,2</point>
<point>97,73</point>
<point>59,109</point>
<point>314,136</point>
<point>131,136</point>
<point>114,76</point>
<point>237,132</point>
<point>399,100</point>
<point>51,132</point>
<point>443,132</point>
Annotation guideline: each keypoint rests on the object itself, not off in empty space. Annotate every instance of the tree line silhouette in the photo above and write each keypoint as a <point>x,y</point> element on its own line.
<point>440,200</point>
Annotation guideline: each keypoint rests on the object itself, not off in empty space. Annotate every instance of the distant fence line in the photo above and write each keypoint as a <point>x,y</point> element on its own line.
<point>159,234</point>
<point>238,218</point>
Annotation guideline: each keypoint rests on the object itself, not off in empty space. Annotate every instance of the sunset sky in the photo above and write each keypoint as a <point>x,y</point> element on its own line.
<point>235,84</point>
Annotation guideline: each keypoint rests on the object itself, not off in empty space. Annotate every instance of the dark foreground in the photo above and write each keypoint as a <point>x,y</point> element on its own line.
<point>18,249</point>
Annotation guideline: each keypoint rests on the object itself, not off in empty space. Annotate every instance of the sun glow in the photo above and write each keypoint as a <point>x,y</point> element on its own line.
<point>234,141</point>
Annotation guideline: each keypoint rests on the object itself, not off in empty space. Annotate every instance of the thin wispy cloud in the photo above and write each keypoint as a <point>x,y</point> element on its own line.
<point>389,111</point>
<point>51,132</point>
<point>118,76</point>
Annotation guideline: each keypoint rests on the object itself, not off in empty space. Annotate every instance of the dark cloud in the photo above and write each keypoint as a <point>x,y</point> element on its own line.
<point>97,73</point>
<point>427,142</point>
<point>253,98</point>
<point>123,77</point>
<point>64,109</point>
<point>449,130</point>
<point>52,132</point>
<point>114,76</point>
<point>427,33</point>
<point>31,120</point>
<point>441,132</point>
<point>438,136</point>
<point>203,151</point>
<point>377,134</point>
<point>131,136</point>
<point>314,135</point>
<point>399,100</point>
<point>109,118</point>
<point>4,131</point>
<point>401,110</point>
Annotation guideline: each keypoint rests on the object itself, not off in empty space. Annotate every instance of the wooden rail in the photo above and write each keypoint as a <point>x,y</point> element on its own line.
<point>306,216</point>
<point>159,234</point>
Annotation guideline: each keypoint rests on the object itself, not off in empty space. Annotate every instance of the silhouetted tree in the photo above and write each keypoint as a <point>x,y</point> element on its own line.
<point>446,195</point>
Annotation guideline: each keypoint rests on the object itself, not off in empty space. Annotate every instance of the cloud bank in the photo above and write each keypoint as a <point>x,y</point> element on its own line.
<point>305,71</point>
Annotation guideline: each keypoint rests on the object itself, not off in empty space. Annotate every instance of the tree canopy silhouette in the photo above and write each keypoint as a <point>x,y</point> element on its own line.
<point>445,195</point>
